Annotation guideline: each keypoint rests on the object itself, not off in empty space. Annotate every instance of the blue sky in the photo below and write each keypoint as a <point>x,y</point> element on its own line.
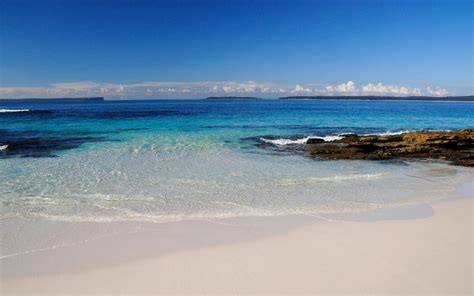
<point>267,48</point>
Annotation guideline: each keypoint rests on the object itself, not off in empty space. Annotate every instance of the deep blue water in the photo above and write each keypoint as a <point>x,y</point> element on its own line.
<point>49,128</point>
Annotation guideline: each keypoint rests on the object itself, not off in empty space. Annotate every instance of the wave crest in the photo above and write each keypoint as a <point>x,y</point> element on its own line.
<point>13,110</point>
<point>300,141</point>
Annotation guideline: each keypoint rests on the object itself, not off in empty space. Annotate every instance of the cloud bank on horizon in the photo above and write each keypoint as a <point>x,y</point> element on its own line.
<point>212,88</point>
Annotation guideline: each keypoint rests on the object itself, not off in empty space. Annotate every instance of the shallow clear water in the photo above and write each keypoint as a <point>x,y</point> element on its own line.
<point>198,159</point>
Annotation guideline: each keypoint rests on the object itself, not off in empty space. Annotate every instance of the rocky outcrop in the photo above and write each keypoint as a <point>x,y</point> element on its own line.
<point>454,146</point>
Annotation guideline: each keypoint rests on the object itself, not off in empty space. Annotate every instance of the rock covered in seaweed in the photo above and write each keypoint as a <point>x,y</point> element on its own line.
<point>454,146</point>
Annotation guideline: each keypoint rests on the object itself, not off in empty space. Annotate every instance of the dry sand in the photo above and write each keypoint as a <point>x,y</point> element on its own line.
<point>431,254</point>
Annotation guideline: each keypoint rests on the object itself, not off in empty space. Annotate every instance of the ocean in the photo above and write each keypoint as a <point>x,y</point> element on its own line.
<point>173,160</point>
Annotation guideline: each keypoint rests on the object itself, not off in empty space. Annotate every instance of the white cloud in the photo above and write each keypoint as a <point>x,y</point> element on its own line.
<point>300,89</point>
<point>396,90</point>
<point>437,91</point>
<point>348,87</point>
<point>82,85</point>
<point>227,89</point>
<point>198,89</point>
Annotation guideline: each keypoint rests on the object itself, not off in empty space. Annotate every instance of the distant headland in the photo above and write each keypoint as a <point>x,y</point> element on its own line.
<point>382,98</point>
<point>233,98</point>
<point>62,100</point>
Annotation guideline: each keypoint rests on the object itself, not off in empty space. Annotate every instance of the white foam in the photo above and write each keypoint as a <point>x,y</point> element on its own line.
<point>337,178</point>
<point>353,177</point>
<point>330,138</point>
<point>285,141</point>
<point>3,147</point>
<point>388,133</point>
<point>13,110</point>
<point>403,132</point>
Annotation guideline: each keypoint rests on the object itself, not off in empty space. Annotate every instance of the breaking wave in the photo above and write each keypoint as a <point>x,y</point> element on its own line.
<point>389,133</point>
<point>13,110</point>
<point>288,141</point>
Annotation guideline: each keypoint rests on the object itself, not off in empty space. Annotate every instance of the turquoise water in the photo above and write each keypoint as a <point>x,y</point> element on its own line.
<point>197,159</point>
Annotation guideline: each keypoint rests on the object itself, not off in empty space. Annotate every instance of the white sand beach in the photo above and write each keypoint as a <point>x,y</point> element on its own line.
<point>427,255</point>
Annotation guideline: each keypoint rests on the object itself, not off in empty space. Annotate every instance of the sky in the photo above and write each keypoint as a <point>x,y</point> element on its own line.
<point>192,49</point>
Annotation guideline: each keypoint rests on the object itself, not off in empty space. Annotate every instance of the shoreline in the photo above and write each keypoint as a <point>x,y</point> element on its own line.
<point>91,230</point>
<point>267,240</point>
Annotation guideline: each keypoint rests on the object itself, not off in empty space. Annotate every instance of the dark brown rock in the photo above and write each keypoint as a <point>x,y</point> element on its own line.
<point>454,146</point>
<point>314,141</point>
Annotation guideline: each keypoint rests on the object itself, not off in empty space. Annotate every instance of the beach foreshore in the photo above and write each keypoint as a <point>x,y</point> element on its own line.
<point>415,250</point>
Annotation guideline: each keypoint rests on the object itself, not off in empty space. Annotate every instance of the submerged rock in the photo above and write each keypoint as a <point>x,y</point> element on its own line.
<point>454,146</point>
